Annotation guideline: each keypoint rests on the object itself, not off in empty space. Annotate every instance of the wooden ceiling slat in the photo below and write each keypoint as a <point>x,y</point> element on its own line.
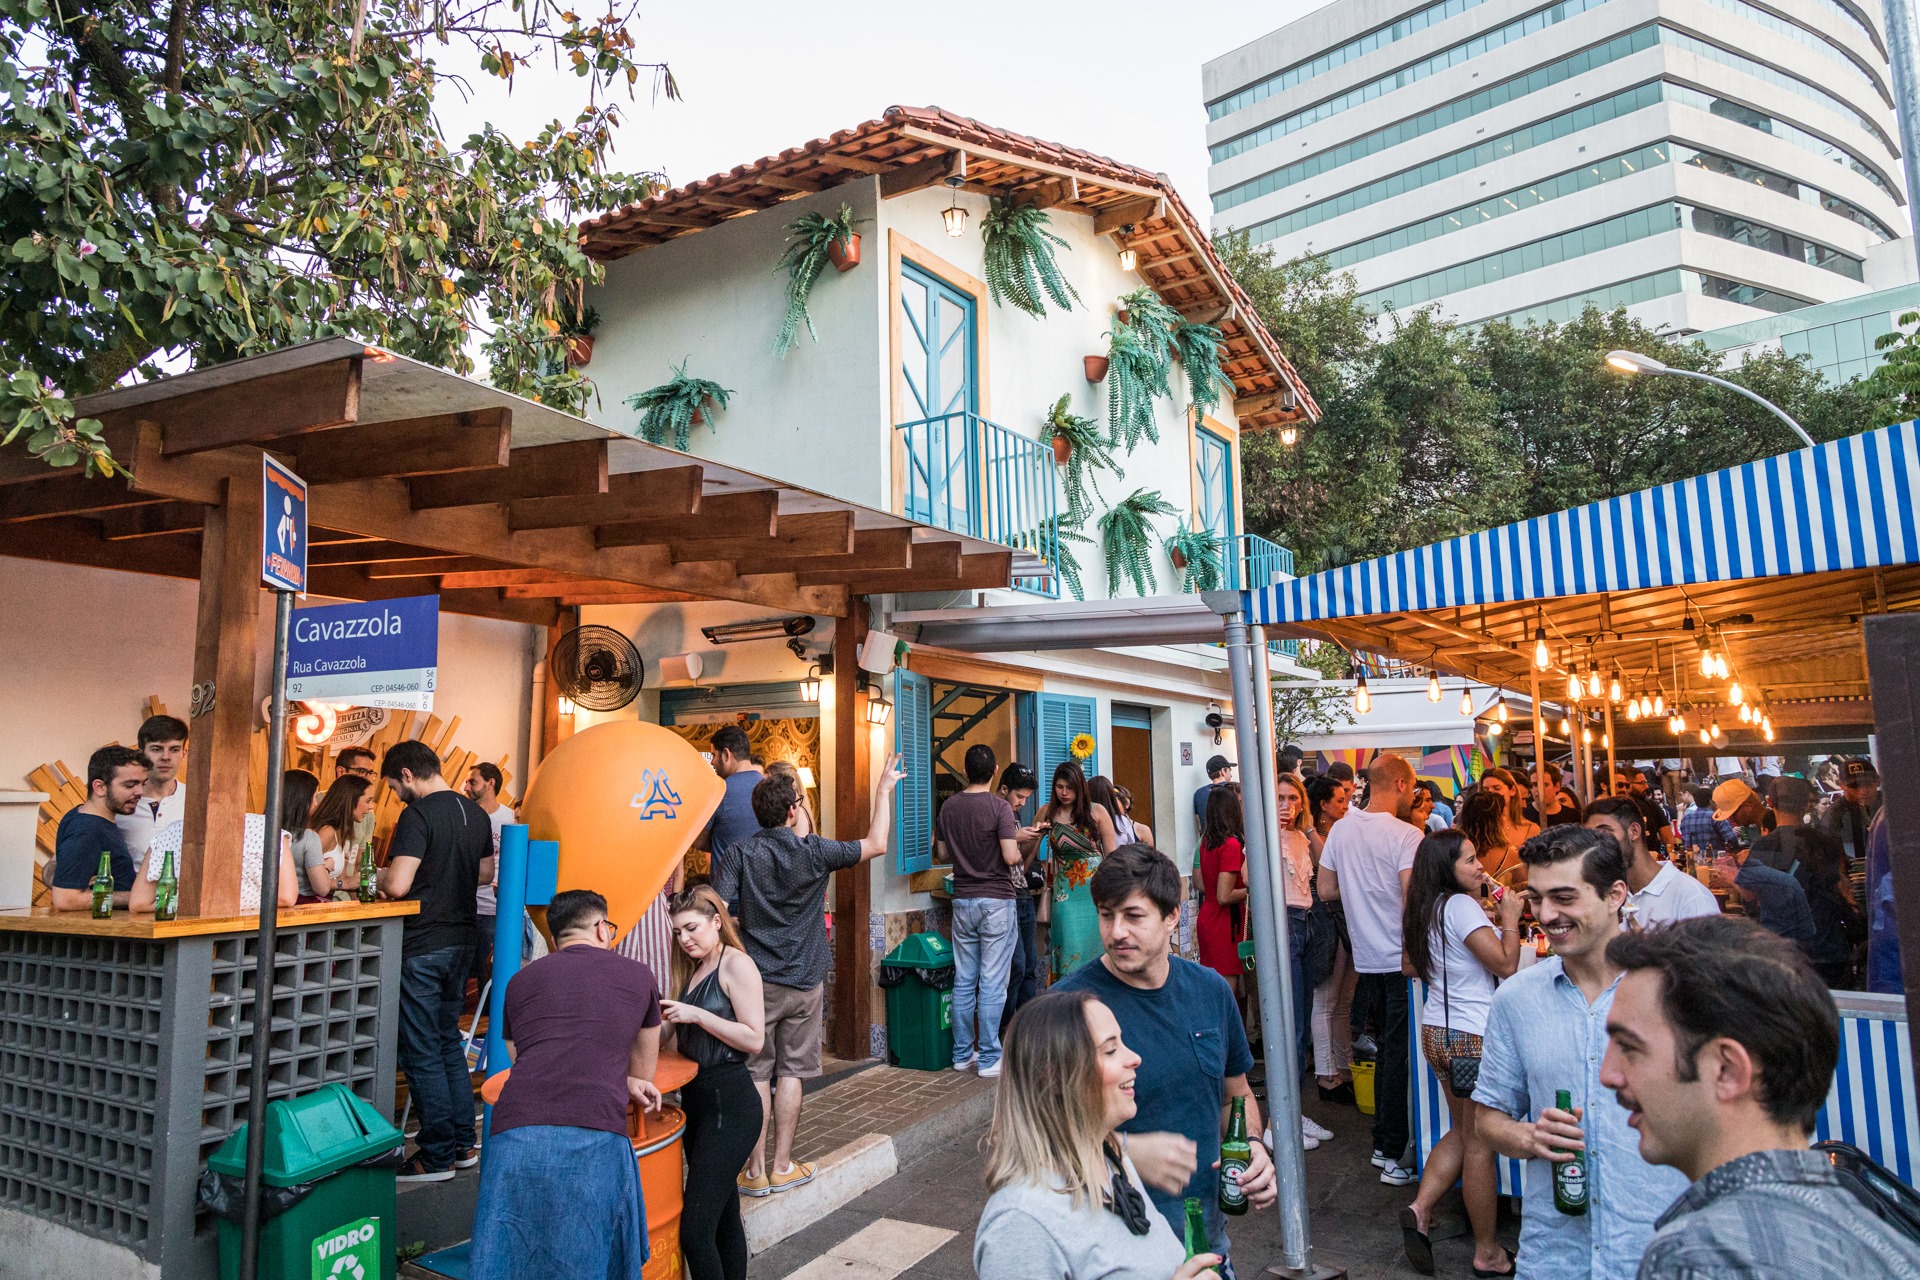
<point>271,407</point>
<point>932,561</point>
<point>874,549</point>
<point>574,469</point>
<point>69,495</point>
<point>671,493</point>
<point>823,533</point>
<point>747,514</point>
<point>445,442</point>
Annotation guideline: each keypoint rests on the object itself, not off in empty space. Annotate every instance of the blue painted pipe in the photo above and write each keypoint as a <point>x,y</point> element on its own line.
<point>510,897</point>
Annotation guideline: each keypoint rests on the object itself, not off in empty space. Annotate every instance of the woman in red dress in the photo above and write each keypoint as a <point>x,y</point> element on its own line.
<point>1223,871</point>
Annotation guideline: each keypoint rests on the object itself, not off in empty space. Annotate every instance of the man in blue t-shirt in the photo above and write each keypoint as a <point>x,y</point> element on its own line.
<point>1182,1020</point>
<point>733,821</point>
<point>115,776</point>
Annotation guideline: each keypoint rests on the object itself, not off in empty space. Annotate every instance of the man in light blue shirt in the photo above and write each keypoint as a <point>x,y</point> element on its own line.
<point>1548,1031</point>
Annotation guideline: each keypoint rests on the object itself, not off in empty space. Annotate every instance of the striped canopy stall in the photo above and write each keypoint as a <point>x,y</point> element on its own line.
<point>1772,562</point>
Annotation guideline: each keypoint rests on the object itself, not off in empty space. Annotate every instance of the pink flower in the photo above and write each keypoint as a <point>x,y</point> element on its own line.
<point>87,247</point>
<point>46,384</point>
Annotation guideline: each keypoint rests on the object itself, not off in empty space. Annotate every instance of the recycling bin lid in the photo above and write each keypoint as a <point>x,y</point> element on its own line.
<point>921,951</point>
<point>311,1136</point>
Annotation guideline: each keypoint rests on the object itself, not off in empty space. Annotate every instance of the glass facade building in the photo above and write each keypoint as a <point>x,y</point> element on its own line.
<point>1702,162</point>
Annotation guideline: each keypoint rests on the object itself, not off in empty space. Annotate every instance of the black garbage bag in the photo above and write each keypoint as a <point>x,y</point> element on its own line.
<point>225,1196</point>
<point>940,979</point>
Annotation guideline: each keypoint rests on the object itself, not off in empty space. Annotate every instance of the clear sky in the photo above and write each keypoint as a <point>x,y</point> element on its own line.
<point>1121,78</point>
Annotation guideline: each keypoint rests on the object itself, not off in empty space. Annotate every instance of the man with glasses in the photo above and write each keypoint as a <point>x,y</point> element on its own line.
<point>1632,784</point>
<point>778,878</point>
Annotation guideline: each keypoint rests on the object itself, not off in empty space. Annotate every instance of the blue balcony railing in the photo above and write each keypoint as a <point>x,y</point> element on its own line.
<point>975,477</point>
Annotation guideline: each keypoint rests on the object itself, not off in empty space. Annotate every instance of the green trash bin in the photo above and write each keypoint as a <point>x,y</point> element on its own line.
<point>343,1228</point>
<point>918,977</point>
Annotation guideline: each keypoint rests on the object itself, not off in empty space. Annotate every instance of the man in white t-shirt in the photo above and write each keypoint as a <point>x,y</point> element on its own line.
<point>1659,891</point>
<point>1366,866</point>
<point>163,742</point>
<point>483,785</point>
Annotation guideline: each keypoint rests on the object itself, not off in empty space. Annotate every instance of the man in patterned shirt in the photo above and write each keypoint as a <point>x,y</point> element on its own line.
<point>1721,1045</point>
<point>1699,829</point>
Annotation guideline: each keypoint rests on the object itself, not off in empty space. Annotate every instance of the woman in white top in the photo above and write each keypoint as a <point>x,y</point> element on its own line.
<point>169,839</point>
<point>1453,948</point>
<point>1297,858</point>
<point>1067,1204</point>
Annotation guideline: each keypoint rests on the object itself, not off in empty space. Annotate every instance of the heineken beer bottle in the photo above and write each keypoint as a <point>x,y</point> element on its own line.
<point>1236,1153</point>
<point>103,887</point>
<point>166,894</point>
<point>1569,1176</point>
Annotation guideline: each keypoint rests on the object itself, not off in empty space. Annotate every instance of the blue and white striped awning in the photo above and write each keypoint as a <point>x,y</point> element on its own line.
<point>1846,504</point>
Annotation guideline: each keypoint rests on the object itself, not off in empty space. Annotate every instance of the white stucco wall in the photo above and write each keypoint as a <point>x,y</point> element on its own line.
<point>822,417</point>
<point>89,645</point>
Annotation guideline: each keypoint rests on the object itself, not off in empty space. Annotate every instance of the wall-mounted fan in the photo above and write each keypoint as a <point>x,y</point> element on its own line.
<point>597,667</point>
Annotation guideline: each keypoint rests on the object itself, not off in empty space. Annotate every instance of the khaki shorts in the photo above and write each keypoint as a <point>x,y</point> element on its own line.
<point>795,1020</point>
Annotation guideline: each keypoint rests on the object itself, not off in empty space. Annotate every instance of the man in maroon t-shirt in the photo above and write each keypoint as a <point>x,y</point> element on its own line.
<point>559,1191</point>
<point>976,831</point>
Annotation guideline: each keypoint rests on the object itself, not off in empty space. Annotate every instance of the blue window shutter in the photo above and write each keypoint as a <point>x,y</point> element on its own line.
<point>1063,718</point>
<point>1026,747</point>
<point>913,798</point>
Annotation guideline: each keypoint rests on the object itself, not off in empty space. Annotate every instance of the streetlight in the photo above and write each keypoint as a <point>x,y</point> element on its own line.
<point>1634,362</point>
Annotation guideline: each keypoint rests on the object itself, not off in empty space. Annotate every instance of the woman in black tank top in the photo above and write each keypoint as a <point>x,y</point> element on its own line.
<point>718,1019</point>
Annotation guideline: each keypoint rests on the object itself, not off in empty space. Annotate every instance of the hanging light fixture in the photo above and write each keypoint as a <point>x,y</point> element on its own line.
<point>1288,435</point>
<point>810,686</point>
<point>1719,666</point>
<point>1659,703</point>
<point>1434,693</point>
<point>1566,727</point>
<point>1679,720</point>
<point>1606,740</point>
<point>1706,657</point>
<point>1362,698</point>
<point>1500,707</point>
<point>1766,731</point>
<point>1593,679</point>
<point>1746,715</point>
<point>1466,702</point>
<point>1633,709</point>
<point>1674,726</point>
<point>1493,728</point>
<point>878,709</point>
<point>953,215</point>
<point>1705,737</point>
<point>1586,733</point>
<point>1735,694</point>
<point>1715,728</point>
<point>1129,260</point>
<point>1542,657</point>
<point>1614,692</point>
<point>1574,691</point>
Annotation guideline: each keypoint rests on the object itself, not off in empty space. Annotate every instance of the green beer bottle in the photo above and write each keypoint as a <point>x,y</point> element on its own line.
<point>1196,1230</point>
<point>166,894</point>
<point>369,886</point>
<point>1570,1176</point>
<point>103,887</point>
<point>1236,1153</point>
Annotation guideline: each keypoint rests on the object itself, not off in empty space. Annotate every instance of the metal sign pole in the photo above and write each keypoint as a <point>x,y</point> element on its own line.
<point>265,945</point>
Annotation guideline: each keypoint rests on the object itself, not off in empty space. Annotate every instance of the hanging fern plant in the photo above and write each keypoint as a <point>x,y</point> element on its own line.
<point>669,411</point>
<point>1020,264</point>
<point>1050,541</point>
<point>812,238</point>
<point>1087,451</point>
<point>1134,377</point>
<point>1200,348</point>
<point>1196,554</point>
<point>1127,534</point>
<point>1156,323</point>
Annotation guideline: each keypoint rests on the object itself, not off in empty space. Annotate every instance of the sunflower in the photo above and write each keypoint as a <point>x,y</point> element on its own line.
<point>1081,748</point>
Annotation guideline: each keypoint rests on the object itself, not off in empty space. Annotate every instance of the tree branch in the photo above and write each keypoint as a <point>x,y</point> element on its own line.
<point>176,45</point>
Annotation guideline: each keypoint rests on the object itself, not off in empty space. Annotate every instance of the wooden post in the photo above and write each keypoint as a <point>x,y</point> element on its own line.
<point>853,800</point>
<point>549,711</point>
<point>226,636</point>
<point>1893,672</point>
<point>1612,753</point>
<point>1539,738</point>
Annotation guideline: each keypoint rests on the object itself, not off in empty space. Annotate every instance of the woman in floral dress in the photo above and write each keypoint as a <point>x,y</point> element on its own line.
<point>1077,832</point>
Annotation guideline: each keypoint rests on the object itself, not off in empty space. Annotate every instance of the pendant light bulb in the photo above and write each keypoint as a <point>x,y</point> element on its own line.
<point>1614,692</point>
<point>1542,657</point>
<point>1633,709</point>
<point>1659,703</point>
<point>1566,727</point>
<point>1735,694</point>
<point>1434,693</point>
<point>1715,728</point>
<point>1586,733</point>
<point>1362,697</point>
<point>1574,691</point>
<point>1705,737</point>
<point>1706,660</point>
<point>1500,707</point>
<point>1466,702</point>
<point>1719,666</point>
<point>1493,728</point>
<point>1680,721</point>
<point>1593,679</point>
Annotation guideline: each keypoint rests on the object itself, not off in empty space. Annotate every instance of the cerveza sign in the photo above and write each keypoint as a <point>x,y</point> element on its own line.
<point>384,653</point>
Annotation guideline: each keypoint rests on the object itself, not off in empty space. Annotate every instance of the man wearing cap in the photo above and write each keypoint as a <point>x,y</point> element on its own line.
<point>1772,898</point>
<point>1219,770</point>
<point>1851,816</point>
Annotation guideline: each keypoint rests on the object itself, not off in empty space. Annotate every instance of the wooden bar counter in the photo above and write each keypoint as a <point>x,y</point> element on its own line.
<point>126,1059</point>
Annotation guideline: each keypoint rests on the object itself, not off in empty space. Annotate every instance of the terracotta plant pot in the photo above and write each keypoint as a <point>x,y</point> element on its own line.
<point>1179,558</point>
<point>1096,367</point>
<point>845,254</point>
<point>1125,316</point>
<point>1062,450</point>
<point>579,351</point>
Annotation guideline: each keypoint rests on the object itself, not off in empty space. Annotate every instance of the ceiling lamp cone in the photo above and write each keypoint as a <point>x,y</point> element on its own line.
<point>1434,693</point>
<point>1466,702</point>
<point>1542,658</point>
<point>1362,697</point>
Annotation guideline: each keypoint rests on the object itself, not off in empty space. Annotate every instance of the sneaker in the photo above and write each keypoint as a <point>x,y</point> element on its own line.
<point>1319,1133</point>
<point>1380,1159</point>
<point>990,1073</point>
<point>801,1172</point>
<point>755,1187</point>
<point>1307,1141</point>
<point>1395,1174</point>
<point>416,1169</point>
<point>466,1158</point>
<point>968,1064</point>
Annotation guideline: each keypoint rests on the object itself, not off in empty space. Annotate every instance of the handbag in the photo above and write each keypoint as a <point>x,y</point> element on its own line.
<point>1462,1073</point>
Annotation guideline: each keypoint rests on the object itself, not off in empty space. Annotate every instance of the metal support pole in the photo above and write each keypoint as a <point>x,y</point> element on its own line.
<point>267,941</point>
<point>510,910</point>
<point>1268,926</point>
<point>1906,101</point>
<point>1539,738</point>
<point>1612,752</point>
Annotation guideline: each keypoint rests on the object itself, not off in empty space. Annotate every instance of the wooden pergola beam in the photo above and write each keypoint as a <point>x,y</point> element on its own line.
<point>1130,212</point>
<point>153,520</point>
<point>17,466</point>
<point>576,468</point>
<point>443,442</point>
<point>67,496</point>
<point>496,578</point>
<point>934,563</point>
<point>594,591</point>
<point>77,540</point>
<point>873,549</point>
<point>372,553</point>
<point>808,533</point>
<point>982,572</point>
<point>671,493</point>
<point>275,406</point>
<point>750,514</point>
<point>436,567</point>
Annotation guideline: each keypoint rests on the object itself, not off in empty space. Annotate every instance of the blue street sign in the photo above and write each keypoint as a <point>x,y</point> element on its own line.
<point>384,653</point>
<point>283,528</point>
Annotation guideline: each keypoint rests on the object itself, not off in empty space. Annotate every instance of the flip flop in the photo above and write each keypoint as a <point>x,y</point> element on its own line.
<point>1489,1275</point>
<point>1419,1248</point>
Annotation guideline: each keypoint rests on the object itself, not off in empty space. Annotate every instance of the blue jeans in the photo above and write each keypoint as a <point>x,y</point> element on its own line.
<point>983,943</point>
<point>433,991</point>
<point>562,1204</point>
<point>1023,975</point>
<point>1302,997</point>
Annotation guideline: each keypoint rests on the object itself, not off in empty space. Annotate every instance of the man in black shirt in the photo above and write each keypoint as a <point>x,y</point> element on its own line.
<point>1654,823</point>
<point>441,851</point>
<point>115,776</point>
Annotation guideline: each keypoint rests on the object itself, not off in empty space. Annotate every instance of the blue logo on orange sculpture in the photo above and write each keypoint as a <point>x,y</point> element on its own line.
<point>656,797</point>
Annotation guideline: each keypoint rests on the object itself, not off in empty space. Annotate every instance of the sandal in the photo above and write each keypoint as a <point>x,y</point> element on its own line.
<point>1489,1275</point>
<point>1418,1247</point>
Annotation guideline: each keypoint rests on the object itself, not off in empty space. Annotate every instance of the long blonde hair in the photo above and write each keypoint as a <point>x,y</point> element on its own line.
<point>703,899</point>
<point>1049,1118</point>
<point>1303,811</point>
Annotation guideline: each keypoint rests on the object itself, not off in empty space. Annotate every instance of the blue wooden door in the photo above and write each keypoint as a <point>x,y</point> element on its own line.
<point>937,368</point>
<point>1213,464</point>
